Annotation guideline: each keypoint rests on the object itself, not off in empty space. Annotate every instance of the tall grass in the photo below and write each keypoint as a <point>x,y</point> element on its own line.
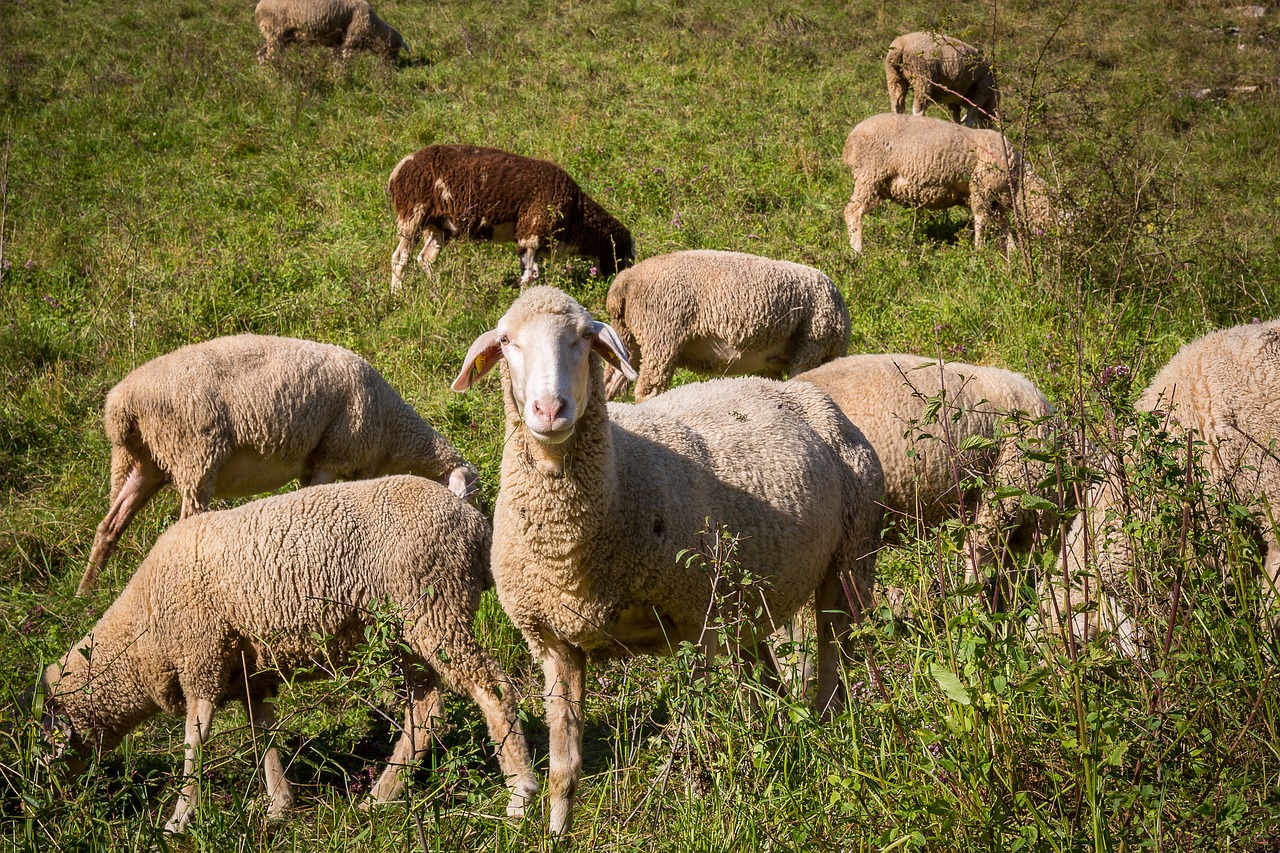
<point>160,188</point>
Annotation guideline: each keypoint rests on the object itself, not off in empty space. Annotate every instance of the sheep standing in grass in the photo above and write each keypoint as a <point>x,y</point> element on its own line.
<point>1222,390</point>
<point>444,192</point>
<point>230,604</point>
<point>723,313</point>
<point>941,70</point>
<point>933,164</point>
<point>971,440</point>
<point>345,24</point>
<point>246,414</point>
<point>596,503</point>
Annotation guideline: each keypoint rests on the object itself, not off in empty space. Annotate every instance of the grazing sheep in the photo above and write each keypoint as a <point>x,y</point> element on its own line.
<point>597,503</point>
<point>929,163</point>
<point>888,397</point>
<point>723,313</point>
<point>246,414</point>
<point>1222,390</point>
<point>450,191</point>
<point>346,24</point>
<point>941,70</point>
<point>230,604</point>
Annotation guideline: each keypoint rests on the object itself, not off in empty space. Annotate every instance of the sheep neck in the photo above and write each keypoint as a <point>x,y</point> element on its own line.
<point>572,483</point>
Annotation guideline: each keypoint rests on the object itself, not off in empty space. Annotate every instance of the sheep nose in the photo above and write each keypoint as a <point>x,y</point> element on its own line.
<point>550,409</point>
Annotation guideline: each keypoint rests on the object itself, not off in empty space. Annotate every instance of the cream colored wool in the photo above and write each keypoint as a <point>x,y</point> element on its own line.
<point>242,595</point>
<point>349,25</point>
<point>1225,389</point>
<point>724,313</point>
<point>885,394</point>
<point>246,414</point>
<point>929,163</point>
<point>941,70</point>
<point>596,503</point>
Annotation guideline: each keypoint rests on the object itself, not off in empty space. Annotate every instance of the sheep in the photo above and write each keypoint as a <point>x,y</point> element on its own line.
<point>595,503</point>
<point>346,24</point>
<point>930,163</point>
<point>246,414</point>
<point>449,191</point>
<point>230,604</point>
<point>1218,393</point>
<point>972,439</point>
<point>723,312</point>
<point>942,70</point>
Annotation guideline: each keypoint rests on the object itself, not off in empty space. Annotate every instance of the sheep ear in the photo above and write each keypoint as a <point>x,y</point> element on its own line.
<point>481,358</point>
<point>611,349</point>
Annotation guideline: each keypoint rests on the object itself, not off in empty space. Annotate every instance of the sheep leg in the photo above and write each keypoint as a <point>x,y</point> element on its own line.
<point>433,241</point>
<point>833,630</point>
<point>530,248</point>
<point>920,98</point>
<point>565,670</point>
<point>656,373</point>
<point>197,500</point>
<point>497,701</point>
<point>199,726</point>
<point>262,713</point>
<point>143,480</point>
<point>424,710</point>
<point>1271,584</point>
<point>409,236</point>
<point>860,203</point>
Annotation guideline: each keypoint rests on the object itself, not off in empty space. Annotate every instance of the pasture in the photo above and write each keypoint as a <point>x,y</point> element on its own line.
<point>159,187</point>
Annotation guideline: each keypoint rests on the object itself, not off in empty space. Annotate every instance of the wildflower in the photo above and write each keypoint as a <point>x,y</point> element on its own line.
<point>677,220</point>
<point>30,264</point>
<point>1112,374</point>
<point>594,271</point>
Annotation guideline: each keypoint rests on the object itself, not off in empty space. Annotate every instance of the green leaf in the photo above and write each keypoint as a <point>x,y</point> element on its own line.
<point>1038,504</point>
<point>977,442</point>
<point>950,684</point>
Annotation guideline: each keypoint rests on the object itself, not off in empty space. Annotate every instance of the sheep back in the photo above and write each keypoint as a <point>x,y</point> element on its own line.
<point>725,312</point>
<point>291,402</point>
<point>929,163</point>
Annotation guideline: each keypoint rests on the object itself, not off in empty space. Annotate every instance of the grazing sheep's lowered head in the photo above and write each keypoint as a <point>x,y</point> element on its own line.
<point>546,339</point>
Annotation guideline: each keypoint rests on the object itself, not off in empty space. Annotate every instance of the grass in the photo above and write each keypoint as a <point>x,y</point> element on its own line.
<point>160,188</point>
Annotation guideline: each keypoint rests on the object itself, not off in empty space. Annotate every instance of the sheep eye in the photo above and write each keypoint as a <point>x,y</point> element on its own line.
<point>503,340</point>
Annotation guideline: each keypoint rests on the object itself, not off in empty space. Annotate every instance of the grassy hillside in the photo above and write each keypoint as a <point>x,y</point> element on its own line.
<point>159,188</point>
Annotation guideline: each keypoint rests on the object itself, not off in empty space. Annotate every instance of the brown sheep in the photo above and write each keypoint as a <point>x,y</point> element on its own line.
<point>450,191</point>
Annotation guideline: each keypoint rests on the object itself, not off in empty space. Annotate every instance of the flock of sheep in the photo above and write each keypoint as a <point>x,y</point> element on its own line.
<point>595,499</point>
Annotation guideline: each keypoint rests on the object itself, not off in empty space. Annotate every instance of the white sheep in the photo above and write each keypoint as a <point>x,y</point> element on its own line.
<point>1222,390</point>
<point>930,163</point>
<point>723,313</point>
<point>463,191</point>
<point>971,440</point>
<point>230,604</point>
<point>596,504</point>
<point>349,25</point>
<point>941,70</point>
<point>246,414</point>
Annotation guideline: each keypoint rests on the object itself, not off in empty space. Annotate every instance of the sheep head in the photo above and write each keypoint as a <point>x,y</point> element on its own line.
<point>547,339</point>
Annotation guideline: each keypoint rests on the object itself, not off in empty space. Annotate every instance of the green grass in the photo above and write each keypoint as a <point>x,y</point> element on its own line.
<point>161,188</point>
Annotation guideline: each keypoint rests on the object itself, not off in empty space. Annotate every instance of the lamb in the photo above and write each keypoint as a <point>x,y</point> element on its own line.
<point>246,414</point>
<point>596,502</point>
<point>888,396</point>
<point>941,70</point>
<point>929,163</point>
<point>1220,392</point>
<point>725,313</point>
<point>448,191</point>
<point>349,25</point>
<point>230,604</point>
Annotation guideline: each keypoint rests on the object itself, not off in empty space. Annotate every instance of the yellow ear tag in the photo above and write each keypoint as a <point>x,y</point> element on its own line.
<point>477,366</point>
